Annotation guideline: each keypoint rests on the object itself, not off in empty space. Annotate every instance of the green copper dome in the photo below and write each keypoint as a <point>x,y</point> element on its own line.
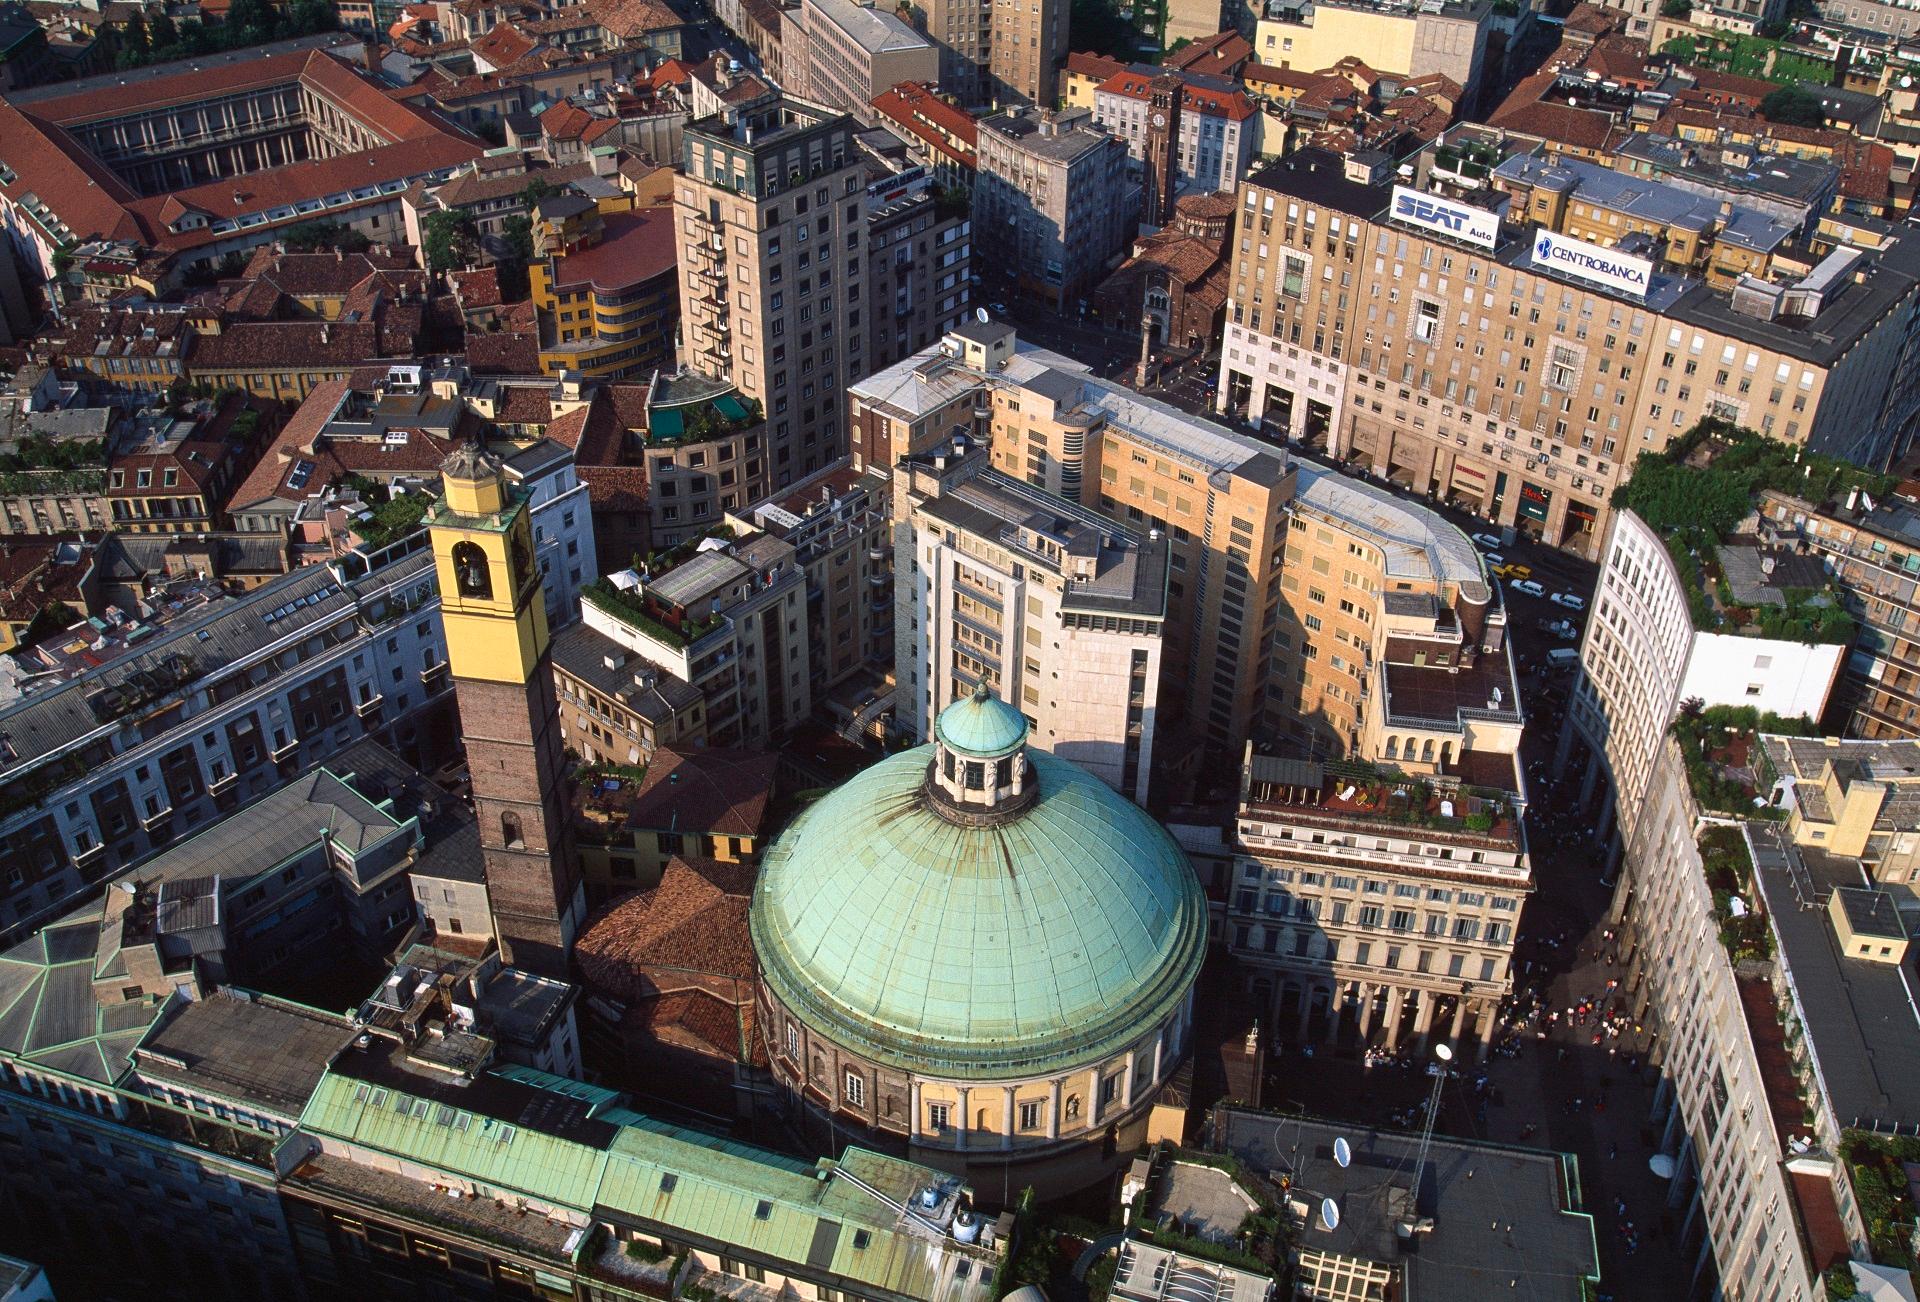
<point>981,726</point>
<point>984,949</point>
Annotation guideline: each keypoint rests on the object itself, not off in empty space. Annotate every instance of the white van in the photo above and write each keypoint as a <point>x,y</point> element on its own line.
<point>1563,657</point>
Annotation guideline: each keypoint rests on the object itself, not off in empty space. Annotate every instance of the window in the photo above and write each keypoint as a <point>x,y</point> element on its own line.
<point>1563,367</point>
<point>854,1090</point>
<point>938,1114</point>
<point>1030,1115</point>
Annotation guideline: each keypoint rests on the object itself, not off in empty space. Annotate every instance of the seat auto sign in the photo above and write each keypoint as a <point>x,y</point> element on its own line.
<point>1607,268</point>
<point>1444,216</point>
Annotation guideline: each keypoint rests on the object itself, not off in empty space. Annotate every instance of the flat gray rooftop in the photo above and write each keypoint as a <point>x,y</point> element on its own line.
<point>1507,1222</point>
<point>1859,1015</point>
<point>261,1052</point>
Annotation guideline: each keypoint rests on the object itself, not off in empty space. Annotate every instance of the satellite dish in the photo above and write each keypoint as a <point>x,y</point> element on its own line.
<point>1661,1165</point>
<point>1443,1052</point>
<point>1342,1153</point>
<point>1329,1214</point>
<point>980,315</point>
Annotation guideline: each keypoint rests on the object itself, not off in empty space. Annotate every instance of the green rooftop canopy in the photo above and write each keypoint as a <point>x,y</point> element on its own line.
<point>982,726</point>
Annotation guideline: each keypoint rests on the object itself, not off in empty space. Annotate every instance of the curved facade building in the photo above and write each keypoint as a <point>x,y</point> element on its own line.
<point>980,953</point>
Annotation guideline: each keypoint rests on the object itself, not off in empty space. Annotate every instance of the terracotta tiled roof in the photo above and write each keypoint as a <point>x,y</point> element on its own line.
<point>672,72</point>
<point>504,45</point>
<point>1094,65</point>
<point>631,19</point>
<point>504,352</point>
<point>1225,51</point>
<point>917,109</point>
<point>716,791</point>
<point>1262,74</point>
<point>286,345</point>
<point>48,163</point>
<point>1231,105</point>
<point>1215,206</point>
<point>476,289</point>
<point>1560,123</point>
<point>695,919</point>
<point>635,247</point>
<point>1728,85</point>
<point>301,430</point>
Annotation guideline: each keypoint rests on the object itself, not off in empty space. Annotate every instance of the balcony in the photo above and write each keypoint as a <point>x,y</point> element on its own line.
<point>157,817</point>
<point>876,554</point>
<point>223,784</point>
<point>89,859</point>
<point>983,411</point>
<point>429,672</point>
<point>284,749</point>
<point>369,706</point>
<point>879,580</point>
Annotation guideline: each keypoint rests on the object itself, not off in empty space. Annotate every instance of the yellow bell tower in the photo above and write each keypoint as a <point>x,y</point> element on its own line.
<point>496,623</point>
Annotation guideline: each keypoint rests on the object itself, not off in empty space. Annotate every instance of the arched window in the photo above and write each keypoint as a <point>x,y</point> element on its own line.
<point>1426,751</point>
<point>1393,748</point>
<point>510,834</point>
<point>470,571</point>
<point>980,1119</point>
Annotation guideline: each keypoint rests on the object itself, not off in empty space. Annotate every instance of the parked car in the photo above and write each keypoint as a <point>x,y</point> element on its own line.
<point>1487,540</point>
<point>1568,600</point>
<point>1565,629</point>
<point>1496,562</point>
<point>1527,586</point>
<point>1519,571</point>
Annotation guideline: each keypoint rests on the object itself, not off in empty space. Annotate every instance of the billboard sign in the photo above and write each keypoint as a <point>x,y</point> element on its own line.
<point>1608,268</point>
<point>1430,212</point>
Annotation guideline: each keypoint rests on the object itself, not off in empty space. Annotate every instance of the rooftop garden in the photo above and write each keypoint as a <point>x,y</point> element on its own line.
<point>1726,766</point>
<point>1766,58</point>
<point>1874,1163</point>
<point>1470,158</point>
<point>1729,872</point>
<point>1367,791</point>
<point>37,464</point>
<point>393,519</point>
<point>1696,493</point>
<point>653,617</point>
<point>697,422</point>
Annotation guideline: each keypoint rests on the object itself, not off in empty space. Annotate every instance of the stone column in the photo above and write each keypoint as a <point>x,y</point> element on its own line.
<point>1367,995</point>
<point>1053,1109</point>
<point>1126,1085</point>
<point>918,1118</point>
<point>1396,1000</point>
<point>1006,1128</point>
<point>1487,1024</point>
<point>962,1131</point>
<point>1423,1023</point>
<point>1459,1017</point>
<point>1336,1009</point>
<point>1306,1011</point>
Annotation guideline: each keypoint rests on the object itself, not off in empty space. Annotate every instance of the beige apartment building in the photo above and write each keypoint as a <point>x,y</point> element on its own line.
<point>773,230</point>
<point>1443,36</point>
<point>1290,588</point>
<point>1054,607</point>
<point>1517,371</point>
<point>1216,500</point>
<point>996,54</point>
<point>855,52</point>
